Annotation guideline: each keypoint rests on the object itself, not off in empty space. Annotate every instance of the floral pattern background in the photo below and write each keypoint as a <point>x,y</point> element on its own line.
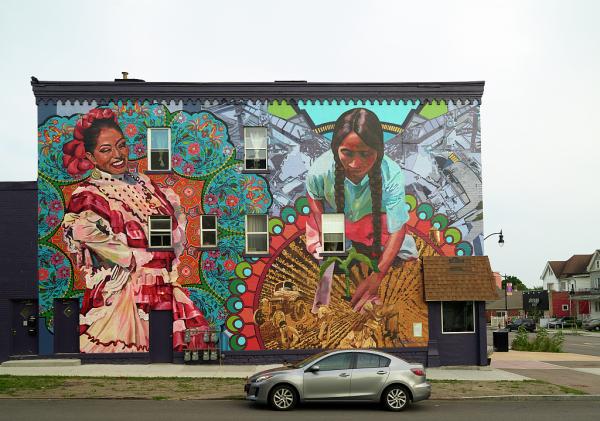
<point>206,177</point>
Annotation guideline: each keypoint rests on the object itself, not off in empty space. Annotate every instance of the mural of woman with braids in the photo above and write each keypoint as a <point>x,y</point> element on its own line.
<point>356,178</point>
<point>106,228</point>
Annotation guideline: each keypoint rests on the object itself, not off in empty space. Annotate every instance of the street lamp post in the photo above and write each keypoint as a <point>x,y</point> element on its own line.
<point>500,240</point>
<point>501,243</point>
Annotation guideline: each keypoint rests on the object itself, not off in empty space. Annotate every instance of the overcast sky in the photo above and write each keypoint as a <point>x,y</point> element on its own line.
<point>540,61</point>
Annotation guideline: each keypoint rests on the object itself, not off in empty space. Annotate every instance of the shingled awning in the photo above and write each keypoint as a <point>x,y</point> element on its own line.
<point>467,278</point>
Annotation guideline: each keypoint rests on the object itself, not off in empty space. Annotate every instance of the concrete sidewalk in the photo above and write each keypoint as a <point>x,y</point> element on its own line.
<point>75,368</point>
<point>574,370</point>
<point>566,369</point>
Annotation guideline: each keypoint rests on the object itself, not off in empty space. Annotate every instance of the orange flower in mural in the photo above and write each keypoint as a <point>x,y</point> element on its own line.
<point>231,201</point>
<point>188,270</point>
<point>131,130</point>
<point>194,149</point>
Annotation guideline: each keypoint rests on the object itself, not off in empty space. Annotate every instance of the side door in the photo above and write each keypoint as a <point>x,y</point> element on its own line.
<point>369,375</point>
<point>24,326</point>
<point>332,380</point>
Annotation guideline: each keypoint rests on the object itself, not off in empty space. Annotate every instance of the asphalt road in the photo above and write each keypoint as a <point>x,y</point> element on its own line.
<point>143,410</point>
<point>578,344</point>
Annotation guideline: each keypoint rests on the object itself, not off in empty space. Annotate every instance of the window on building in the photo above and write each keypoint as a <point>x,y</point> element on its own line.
<point>563,286</point>
<point>458,316</point>
<point>159,149</point>
<point>208,231</point>
<point>159,227</point>
<point>257,234</point>
<point>333,232</point>
<point>597,264</point>
<point>597,306</point>
<point>255,148</point>
<point>565,307</point>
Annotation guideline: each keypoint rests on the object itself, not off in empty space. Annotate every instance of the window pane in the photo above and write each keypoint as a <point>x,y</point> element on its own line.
<point>336,362</point>
<point>367,361</point>
<point>333,222</point>
<point>457,316</point>
<point>255,137</point>
<point>256,164</point>
<point>384,362</point>
<point>160,223</point>
<point>257,223</point>
<point>209,222</point>
<point>159,159</point>
<point>159,138</point>
<point>256,154</point>
<point>257,243</point>
<point>160,240</point>
<point>209,238</point>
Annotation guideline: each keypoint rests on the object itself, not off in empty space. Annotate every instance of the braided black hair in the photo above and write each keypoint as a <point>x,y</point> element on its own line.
<point>368,127</point>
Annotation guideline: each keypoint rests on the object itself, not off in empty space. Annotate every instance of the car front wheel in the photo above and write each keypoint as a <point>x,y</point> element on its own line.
<point>283,398</point>
<point>396,398</point>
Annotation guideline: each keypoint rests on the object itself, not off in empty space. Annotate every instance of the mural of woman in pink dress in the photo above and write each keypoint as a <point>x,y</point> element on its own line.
<point>357,179</point>
<point>106,229</point>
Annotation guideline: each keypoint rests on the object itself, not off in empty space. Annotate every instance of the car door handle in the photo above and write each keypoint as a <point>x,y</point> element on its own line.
<point>344,375</point>
<point>381,372</point>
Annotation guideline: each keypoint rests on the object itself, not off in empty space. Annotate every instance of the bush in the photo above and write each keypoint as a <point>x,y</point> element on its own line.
<point>543,342</point>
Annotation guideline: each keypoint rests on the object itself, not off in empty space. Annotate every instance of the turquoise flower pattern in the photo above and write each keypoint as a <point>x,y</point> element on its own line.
<point>54,272</point>
<point>232,194</point>
<point>202,142</point>
<point>51,208</point>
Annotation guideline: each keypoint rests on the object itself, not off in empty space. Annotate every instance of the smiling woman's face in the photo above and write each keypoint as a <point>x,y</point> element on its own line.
<point>111,152</point>
<point>357,158</point>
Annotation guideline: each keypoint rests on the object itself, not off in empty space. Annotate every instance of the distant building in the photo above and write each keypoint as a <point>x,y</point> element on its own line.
<point>573,285</point>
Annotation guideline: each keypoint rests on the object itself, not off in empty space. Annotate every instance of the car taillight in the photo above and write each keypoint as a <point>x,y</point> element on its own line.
<point>418,372</point>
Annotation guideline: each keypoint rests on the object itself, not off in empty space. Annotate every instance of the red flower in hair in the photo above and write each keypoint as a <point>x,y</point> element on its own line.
<point>74,159</point>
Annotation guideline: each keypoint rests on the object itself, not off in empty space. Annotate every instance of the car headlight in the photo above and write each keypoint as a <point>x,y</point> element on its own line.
<point>263,378</point>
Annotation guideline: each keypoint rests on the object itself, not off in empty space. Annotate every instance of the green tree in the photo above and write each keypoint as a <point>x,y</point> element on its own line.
<point>517,284</point>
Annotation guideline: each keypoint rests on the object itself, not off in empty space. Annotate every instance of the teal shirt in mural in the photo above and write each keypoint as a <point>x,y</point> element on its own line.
<point>320,185</point>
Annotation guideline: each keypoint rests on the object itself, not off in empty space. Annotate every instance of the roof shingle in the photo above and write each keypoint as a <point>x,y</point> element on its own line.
<point>467,278</point>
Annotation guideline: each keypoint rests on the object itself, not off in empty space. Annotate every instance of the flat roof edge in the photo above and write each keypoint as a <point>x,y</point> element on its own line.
<point>47,91</point>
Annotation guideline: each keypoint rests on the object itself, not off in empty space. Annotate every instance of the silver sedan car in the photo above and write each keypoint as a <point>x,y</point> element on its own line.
<point>354,375</point>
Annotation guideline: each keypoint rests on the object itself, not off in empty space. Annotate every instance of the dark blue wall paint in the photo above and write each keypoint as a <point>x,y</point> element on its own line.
<point>459,348</point>
<point>18,252</point>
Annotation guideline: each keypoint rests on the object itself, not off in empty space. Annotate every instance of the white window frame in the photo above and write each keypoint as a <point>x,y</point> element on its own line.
<point>160,231</point>
<point>247,232</point>
<point>266,149</point>
<point>458,333</point>
<point>324,231</point>
<point>149,148</point>
<point>203,230</point>
<point>565,307</point>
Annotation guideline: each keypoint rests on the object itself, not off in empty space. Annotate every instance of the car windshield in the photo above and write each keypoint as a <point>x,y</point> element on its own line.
<point>309,360</point>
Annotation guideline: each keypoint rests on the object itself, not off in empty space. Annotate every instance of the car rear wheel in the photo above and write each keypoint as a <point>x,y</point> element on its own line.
<point>395,398</point>
<point>283,398</point>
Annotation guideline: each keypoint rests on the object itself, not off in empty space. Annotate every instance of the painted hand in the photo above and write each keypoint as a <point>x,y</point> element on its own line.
<point>367,291</point>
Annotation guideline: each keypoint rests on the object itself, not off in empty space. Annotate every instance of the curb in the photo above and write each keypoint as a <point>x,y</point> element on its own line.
<point>512,398</point>
<point>525,398</point>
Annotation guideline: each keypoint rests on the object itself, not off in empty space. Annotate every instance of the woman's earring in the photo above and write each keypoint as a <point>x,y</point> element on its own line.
<point>96,175</point>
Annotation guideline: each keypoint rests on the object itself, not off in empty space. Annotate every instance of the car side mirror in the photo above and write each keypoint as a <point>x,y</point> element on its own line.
<point>314,369</point>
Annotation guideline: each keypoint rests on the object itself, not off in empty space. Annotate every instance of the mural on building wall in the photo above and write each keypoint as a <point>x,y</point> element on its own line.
<point>419,162</point>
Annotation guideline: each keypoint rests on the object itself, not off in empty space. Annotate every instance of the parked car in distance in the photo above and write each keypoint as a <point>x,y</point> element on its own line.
<point>528,324</point>
<point>564,322</point>
<point>353,375</point>
<point>591,324</point>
